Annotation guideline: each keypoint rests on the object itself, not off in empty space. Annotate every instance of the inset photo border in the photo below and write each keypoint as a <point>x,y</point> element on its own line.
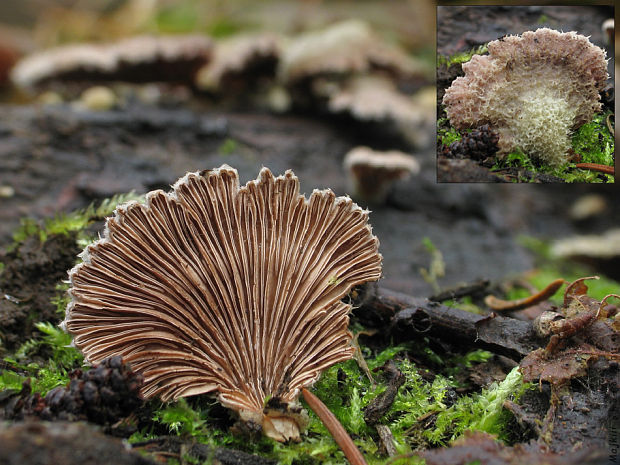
<point>525,94</point>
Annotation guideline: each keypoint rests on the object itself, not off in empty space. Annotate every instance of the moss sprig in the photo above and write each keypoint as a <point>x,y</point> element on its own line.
<point>461,57</point>
<point>78,220</point>
<point>44,376</point>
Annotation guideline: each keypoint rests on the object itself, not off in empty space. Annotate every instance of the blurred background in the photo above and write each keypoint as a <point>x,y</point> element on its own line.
<point>289,85</point>
<point>29,25</point>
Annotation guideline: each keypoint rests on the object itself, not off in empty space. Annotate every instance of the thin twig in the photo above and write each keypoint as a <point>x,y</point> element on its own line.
<point>500,305</point>
<point>342,438</point>
<point>596,167</point>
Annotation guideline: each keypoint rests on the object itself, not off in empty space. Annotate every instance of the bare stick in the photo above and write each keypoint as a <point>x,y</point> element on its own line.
<point>511,305</point>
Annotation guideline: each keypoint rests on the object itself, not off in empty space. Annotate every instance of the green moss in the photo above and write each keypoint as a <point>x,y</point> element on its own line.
<point>479,412</point>
<point>44,376</point>
<point>181,419</point>
<point>228,147</point>
<point>224,27</point>
<point>594,142</point>
<point>178,18</point>
<point>445,136</point>
<point>464,303</point>
<point>549,268</point>
<point>461,57</point>
<point>346,391</point>
<point>437,267</point>
<point>77,220</point>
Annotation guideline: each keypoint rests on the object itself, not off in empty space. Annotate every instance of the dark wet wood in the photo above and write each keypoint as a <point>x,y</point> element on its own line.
<point>405,317</point>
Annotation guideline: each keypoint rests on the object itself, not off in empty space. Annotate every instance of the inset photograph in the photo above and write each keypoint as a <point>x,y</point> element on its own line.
<point>525,94</point>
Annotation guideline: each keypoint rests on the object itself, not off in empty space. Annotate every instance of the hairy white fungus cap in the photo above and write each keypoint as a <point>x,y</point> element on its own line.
<point>107,59</point>
<point>371,172</point>
<point>345,47</point>
<point>219,288</point>
<point>534,89</point>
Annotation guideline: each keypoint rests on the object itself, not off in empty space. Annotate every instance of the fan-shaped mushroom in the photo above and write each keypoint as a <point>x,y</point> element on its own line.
<point>219,288</point>
<point>534,89</point>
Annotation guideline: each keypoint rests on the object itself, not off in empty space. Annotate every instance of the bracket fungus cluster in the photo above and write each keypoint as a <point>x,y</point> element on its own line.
<point>218,288</point>
<point>534,89</point>
<point>342,48</point>
<point>237,58</point>
<point>349,68</point>
<point>137,59</point>
<point>345,68</point>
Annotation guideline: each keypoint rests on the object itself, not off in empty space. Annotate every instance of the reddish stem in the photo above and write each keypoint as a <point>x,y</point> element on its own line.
<point>596,167</point>
<point>342,438</point>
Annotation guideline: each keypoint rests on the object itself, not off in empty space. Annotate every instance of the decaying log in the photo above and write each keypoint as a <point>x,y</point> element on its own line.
<point>405,316</point>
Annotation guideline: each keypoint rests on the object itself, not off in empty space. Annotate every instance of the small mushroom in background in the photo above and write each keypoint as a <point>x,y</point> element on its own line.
<point>137,59</point>
<point>602,252</point>
<point>97,98</point>
<point>587,207</point>
<point>534,89</point>
<point>347,68</point>
<point>217,288</point>
<point>371,173</point>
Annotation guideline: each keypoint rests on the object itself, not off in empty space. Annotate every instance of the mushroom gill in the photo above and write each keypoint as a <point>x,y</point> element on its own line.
<point>219,288</point>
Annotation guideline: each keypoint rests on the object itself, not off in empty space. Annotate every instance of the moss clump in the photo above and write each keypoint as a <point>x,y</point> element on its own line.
<point>446,135</point>
<point>594,142</point>
<point>54,356</point>
<point>76,221</point>
<point>347,391</point>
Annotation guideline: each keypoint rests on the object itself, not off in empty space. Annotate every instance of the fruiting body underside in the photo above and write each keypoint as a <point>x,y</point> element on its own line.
<point>220,288</point>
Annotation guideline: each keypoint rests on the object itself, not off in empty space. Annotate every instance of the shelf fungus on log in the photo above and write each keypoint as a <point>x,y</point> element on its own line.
<point>136,59</point>
<point>534,89</point>
<point>345,47</point>
<point>240,61</point>
<point>229,289</point>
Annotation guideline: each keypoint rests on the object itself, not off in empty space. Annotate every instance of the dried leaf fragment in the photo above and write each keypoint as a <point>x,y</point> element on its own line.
<point>219,288</point>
